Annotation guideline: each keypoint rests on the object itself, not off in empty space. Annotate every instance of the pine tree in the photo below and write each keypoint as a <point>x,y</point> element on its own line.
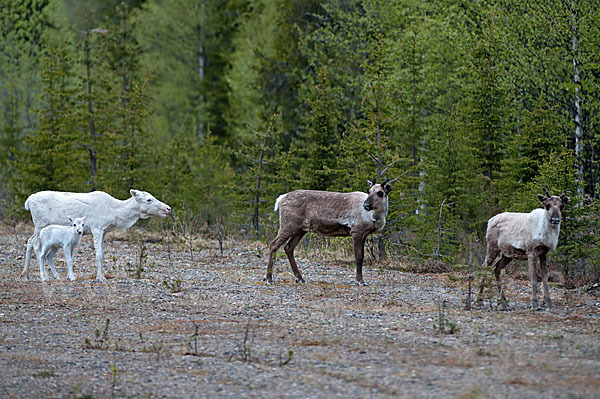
<point>23,24</point>
<point>258,158</point>
<point>54,158</point>
<point>127,156</point>
<point>320,171</point>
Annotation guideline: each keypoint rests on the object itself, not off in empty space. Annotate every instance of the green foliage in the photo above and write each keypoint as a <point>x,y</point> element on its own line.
<point>319,172</point>
<point>474,106</point>
<point>259,183</point>
<point>23,26</point>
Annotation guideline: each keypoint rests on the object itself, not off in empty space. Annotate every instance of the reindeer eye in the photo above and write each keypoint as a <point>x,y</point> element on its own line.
<point>380,194</point>
<point>148,200</point>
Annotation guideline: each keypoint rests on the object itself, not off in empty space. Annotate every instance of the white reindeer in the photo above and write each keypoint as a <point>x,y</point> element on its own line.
<point>328,213</point>
<point>102,212</point>
<point>56,236</point>
<point>526,236</point>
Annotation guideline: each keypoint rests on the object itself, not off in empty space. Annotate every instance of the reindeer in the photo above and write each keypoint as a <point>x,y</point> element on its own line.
<point>526,236</point>
<point>355,214</point>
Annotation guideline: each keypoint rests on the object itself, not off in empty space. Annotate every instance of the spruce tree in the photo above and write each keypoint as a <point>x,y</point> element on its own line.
<point>320,171</point>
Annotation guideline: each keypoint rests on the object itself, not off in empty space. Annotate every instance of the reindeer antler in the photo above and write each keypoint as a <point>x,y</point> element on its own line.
<point>545,190</point>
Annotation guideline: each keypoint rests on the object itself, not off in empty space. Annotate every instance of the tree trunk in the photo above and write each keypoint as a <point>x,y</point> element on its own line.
<point>578,112</point>
<point>201,40</point>
<point>91,148</point>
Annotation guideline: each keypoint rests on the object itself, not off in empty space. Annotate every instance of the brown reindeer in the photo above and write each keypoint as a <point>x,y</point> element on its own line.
<point>526,236</point>
<point>328,213</point>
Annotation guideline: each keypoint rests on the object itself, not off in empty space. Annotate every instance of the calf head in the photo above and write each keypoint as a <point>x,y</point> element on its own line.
<point>378,196</point>
<point>148,205</point>
<point>553,205</point>
<point>79,224</point>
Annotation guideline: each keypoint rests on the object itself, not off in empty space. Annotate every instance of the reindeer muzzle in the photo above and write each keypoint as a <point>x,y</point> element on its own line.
<point>367,206</point>
<point>555,221</point>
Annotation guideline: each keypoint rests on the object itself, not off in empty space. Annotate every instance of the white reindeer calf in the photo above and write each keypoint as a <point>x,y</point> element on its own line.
<point>54,237</point>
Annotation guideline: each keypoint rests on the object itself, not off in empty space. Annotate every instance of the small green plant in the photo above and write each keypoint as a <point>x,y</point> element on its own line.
<point>154,348</point>
<point>174,286</point>
<point>45,374</point>
<point>444,325</point>
<point>288,359</point>
<point>101,339</point>
<point>114,372</point>
<point>193,344</point>
<point>141,266</point>
<point>244,350</point>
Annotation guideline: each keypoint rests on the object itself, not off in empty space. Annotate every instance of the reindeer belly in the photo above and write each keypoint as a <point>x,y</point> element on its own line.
<point>513,253</point>
<point>329,229</point>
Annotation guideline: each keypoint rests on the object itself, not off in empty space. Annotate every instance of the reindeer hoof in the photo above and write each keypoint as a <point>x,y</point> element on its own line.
<point>268,280</point>
<point>548,303</point>
<point>535,305</point>
<point>300,280</point>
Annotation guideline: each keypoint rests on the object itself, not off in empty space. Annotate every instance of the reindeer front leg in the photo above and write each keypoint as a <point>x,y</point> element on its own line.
<point>98,235</point>
<point>532,261</point>
<point>358,240</point>
<point>544,270</point>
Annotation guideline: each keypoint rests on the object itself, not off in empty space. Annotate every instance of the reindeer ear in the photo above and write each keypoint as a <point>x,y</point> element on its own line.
<point>70,219</point>
<point>134,193</point>
<point>542,199</point>
<point>564,198</point>
<point>387,188</point>
<point>372,183</point>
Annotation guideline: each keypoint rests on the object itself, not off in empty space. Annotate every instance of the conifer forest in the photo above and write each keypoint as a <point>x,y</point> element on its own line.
<point>217,107</point>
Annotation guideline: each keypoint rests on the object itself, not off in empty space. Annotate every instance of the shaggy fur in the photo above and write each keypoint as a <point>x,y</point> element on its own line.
<point>525,236</point>
<point>327,213</point>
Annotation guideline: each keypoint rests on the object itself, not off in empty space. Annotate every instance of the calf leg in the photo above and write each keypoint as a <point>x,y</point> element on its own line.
<point>69,259</point>
<point>358,241</point>
<point>532,262</point>
<point>501,264</point>
<point>275,244</point>
<point>544,270</point>
<point>289,251</point>
<point>50,259</point>
<point>41,256</point>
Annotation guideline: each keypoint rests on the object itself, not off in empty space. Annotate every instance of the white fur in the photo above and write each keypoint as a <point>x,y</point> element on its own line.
<point>277,201</point>
<point>524,230</point>
<point>54,237</point>
<point>103,213</point>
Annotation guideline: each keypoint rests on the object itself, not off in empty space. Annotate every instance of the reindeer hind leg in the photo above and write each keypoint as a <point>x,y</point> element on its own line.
<point>501,264</point>
<point>273,247</point>
<point>289,251</point>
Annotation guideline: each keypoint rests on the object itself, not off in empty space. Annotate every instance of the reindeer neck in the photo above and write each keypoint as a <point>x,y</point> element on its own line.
<point>550,233</point>
<point>126,213</point>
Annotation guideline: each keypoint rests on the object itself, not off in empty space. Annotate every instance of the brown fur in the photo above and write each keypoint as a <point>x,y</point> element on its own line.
<point>331,214</point>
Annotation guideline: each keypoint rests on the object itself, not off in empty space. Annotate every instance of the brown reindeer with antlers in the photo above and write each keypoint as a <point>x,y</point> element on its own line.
<point>355,214</point>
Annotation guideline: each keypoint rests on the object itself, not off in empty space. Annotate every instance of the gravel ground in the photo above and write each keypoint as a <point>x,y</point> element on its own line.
<point>201,325</point>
